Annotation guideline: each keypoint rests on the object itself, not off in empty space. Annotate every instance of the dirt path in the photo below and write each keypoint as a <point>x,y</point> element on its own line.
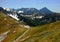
<point>21,35</point>
<point>3,35</point>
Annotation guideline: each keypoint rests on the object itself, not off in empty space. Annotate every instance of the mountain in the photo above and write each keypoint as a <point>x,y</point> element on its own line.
<point>29,10</point>
<point>9,28</point>
<point>12,30</point>
<point>11,12</point>
<point>35,11</point>
<point>46,33</point>
<point>1,9</point>
<point>46,11</point>
<point>47,18</point>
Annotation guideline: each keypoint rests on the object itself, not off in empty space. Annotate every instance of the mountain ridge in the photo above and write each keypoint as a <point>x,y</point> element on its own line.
<point>44,10</point>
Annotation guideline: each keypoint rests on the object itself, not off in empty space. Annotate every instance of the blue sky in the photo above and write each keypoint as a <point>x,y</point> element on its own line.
<point>53,5</point>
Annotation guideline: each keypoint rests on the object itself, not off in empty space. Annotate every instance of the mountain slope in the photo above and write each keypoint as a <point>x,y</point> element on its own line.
<point>46,33</point>
<point>8,24</point>
<point>45,11</point>
<point>29,11</point>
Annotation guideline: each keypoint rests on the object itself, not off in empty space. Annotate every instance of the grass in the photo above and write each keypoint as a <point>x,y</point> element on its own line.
<point>7,23</point>
<point>14,35</point>
<point>42,33</point>
<point>45,33</point>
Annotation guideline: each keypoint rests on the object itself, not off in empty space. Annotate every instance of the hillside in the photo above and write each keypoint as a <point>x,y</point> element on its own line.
<point>8,24</point>
<point>18,33</point>
<point>46,33</point>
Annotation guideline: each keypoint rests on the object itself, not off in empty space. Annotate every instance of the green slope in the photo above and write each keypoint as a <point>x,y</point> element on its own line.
<point>7,23</point>
<point>46,33</point>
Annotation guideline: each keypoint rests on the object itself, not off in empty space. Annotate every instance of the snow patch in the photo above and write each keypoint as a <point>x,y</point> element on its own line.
<point>14,16</point>
<point>20,11</point>
<point>26,26</point>
<point>8,9</point>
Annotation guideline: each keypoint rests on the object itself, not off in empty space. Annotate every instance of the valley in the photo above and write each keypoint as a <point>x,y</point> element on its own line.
<point>19,27</point>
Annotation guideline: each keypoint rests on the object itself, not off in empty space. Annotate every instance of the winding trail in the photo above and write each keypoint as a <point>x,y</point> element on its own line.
<point>3,35</point>
<point>42,35</point>
<point>21,35</point>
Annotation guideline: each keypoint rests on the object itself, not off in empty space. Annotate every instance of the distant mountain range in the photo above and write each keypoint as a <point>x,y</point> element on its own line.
<point>32,16</point>
<point>30,10</point>
<point>36,11</point>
